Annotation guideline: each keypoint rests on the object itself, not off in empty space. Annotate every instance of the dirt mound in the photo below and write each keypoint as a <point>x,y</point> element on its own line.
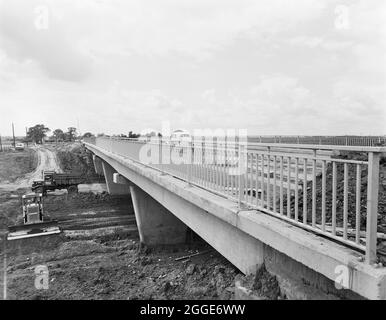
<point>79,248</point>
<point>77,159</point>
<point>262,284</point>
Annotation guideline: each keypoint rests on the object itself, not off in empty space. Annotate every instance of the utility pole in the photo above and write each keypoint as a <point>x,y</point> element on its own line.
<point>13,133</point>
<point>26,135</point>
<point>1,145</point>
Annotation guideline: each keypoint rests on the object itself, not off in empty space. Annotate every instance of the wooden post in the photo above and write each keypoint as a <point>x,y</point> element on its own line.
<point>372,207</point>
<point>13,133</point>
<point>26,136</point>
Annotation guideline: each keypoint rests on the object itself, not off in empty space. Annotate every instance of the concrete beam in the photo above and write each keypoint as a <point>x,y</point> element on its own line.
<point>97,164</point>
<point>113,188</point>
<point>156,225</point>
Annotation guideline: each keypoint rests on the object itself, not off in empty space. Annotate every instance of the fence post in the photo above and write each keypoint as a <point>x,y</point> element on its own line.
<point>241,173</point>
<point>160,158</point>
<point>372,207</point>
<point>202,152</point>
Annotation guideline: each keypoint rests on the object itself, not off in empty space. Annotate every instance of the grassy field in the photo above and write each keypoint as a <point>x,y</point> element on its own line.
<point>17,163</point>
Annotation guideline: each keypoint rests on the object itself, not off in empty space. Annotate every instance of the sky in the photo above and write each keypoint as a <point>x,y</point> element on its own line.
<point>271,67</point>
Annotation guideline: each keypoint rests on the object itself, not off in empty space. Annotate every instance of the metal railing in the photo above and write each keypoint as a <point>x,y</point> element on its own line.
<point>369,141</point>
<point>6,147</point>
<point>304,185</point>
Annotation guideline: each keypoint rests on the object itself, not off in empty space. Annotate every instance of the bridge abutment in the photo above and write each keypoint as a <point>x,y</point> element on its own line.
<point>97,164</point>
<point>156,224</point>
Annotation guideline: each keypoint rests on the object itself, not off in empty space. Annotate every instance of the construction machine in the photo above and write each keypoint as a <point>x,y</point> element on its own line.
<point>34,223</point>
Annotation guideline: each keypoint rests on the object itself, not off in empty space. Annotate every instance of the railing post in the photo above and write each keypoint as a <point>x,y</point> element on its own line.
<point>372,207</point>
<point>241,173</point>
<point>161,156</point>
<point>190,162</point>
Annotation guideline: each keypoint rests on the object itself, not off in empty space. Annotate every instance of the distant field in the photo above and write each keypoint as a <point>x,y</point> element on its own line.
<point>16,164</point>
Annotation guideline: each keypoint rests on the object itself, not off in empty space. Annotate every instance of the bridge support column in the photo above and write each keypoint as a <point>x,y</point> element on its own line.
<point>156,224</point>
<point>112,187</point>
<point>97,164</point>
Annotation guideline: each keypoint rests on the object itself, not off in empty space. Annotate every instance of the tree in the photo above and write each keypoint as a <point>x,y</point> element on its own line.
<point>71,133</point>
<point>88,135</point>
<point>37,133</point>
<point>58,134</point>
<point>133,135</point>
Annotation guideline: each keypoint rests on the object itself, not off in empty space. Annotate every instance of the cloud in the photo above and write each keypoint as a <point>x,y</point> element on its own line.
<point>269,66</point>
<point>49,48</point>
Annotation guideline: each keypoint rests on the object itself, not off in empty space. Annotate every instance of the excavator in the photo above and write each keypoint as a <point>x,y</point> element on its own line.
<point>34,223</point>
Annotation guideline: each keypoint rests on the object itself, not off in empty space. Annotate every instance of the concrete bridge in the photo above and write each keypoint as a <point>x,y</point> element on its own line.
<point>247,202</point>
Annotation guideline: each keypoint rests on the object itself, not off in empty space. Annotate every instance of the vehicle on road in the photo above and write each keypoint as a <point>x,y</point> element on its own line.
<point>53,181</point>
<point>179,137</point>
<point>19,146</point>
<point>34,224</point>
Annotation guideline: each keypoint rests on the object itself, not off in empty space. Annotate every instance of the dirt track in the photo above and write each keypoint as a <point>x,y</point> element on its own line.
<point>47,160</point>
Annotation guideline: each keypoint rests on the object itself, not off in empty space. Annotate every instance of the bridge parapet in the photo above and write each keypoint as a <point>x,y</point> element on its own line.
<point>305,185</point>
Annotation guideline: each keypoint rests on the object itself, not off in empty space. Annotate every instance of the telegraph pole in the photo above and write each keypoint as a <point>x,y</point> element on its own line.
<point>13,133</point>
<point>26,135</point>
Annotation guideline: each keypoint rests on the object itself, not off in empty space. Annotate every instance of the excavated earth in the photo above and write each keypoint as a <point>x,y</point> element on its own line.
<point>98,254</point>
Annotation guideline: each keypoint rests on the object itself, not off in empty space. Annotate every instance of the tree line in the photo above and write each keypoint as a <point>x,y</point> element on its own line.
<point>39,133</point>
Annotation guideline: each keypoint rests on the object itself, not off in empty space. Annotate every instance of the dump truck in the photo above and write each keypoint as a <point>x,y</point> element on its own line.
<point>34,222</point>
<point>53,180</point>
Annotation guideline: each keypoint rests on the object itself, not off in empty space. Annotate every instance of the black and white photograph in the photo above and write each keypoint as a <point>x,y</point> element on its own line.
<point>192,157</point>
